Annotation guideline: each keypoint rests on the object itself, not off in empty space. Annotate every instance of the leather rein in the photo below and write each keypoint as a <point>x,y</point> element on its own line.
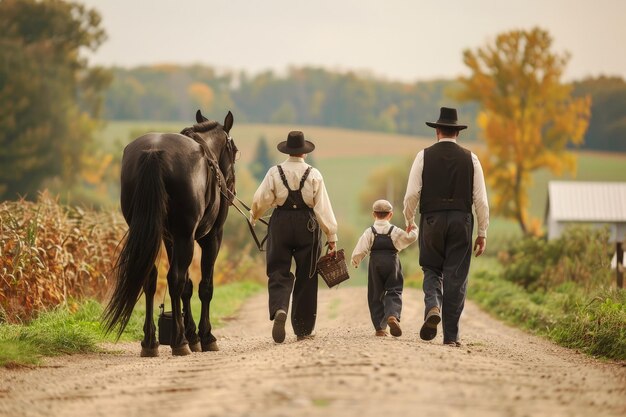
<point>232,197</point>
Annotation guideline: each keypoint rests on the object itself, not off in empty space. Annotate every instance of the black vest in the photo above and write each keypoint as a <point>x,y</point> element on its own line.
<point>447,179</point>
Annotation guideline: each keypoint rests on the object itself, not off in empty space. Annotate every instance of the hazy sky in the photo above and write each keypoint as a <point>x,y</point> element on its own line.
<point>397,39</point>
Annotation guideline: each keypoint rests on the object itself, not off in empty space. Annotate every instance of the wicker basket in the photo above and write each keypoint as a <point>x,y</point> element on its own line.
<point>333,268</point>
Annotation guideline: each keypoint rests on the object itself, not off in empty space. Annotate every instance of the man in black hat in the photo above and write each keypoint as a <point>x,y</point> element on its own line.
<point>445,181</point>
<point>302,211</point>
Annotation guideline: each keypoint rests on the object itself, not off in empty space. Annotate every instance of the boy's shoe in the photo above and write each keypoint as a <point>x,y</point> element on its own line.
<point>429,328</point>
<point>394,326</point>
<point>278,331</point>
<point>381,333</point>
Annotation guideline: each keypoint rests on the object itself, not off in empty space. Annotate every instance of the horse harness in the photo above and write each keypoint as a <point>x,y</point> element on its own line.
<point>230,196</point>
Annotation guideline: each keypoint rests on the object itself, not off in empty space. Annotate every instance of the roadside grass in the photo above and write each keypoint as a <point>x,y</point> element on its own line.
<point>591,322</point>
<point>75,327</point>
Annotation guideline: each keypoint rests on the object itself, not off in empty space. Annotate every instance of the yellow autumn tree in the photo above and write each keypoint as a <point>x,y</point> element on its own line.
<point>202,95</point>
<point>528,116</point>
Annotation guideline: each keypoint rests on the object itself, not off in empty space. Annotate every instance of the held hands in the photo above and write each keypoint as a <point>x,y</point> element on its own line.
<point>411,227</point>
<point>480,245</point>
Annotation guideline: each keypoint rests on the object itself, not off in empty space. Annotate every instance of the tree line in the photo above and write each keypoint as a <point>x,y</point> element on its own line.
<point>307,95</point>
<point>316,96</point>
<point>51,100</point>
<point>49,95</point>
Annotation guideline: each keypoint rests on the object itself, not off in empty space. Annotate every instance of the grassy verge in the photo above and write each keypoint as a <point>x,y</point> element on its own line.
<point>75,328</point>
<point>594,323</point>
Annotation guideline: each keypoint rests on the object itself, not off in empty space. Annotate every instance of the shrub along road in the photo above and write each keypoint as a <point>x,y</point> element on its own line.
<point>344,370</point>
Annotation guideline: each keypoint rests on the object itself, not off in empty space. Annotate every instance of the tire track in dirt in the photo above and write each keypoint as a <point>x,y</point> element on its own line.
<point>344,370</point>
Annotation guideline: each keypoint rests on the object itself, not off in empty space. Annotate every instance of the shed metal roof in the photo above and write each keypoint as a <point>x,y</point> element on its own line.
<point>587,201</point>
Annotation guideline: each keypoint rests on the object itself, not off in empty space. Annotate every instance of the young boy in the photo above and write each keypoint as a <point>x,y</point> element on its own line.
<point>382,242</point>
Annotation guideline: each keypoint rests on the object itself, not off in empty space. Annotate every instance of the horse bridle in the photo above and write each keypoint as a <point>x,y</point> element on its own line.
<point>232,149</point>
<point>232,153</point>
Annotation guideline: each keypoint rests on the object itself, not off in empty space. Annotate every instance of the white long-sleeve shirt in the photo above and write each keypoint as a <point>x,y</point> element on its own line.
<point>272,193</point>
<point>400,238</point>
<point>479,193</point>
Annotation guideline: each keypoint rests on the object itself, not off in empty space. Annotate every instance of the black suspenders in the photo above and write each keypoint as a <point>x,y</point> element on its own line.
<point>294,200</point>
<point>284,178</point>
<point>384,234</point>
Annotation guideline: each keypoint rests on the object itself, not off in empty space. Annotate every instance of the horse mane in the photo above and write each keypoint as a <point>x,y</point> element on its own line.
<point>191,132</point>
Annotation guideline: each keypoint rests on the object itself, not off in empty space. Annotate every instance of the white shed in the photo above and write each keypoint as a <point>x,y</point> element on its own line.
<point>595,203</point>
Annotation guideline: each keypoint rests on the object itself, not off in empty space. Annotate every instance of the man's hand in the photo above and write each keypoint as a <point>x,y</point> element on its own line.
<point>331,247</point>
<point>252,219</point>
<point>411,227</point>
<point>480,245</point>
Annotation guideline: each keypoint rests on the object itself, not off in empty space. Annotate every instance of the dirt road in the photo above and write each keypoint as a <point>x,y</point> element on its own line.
<point>343,371</point>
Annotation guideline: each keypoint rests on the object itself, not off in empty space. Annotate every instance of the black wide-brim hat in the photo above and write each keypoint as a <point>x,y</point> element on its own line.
<point>295,144</point>
<point>447,118</point>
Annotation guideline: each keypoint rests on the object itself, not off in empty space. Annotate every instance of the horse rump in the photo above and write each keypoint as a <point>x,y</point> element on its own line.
<point>147,211</point>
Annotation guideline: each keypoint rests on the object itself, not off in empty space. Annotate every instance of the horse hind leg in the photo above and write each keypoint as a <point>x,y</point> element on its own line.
<point>182,253</point>
<point>210,246</point>
<point>190,325</point>
<point>209,342</point>
<point>150,344</point>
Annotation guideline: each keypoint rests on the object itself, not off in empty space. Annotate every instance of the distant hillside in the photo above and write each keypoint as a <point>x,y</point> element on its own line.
<point>304,96</point>
<point>319,97</point>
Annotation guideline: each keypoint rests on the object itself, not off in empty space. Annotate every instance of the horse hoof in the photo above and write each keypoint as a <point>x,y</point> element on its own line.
<point>181,351</point>
<point>211,347</point>
<point>149,352</point>
<point>196,347</point>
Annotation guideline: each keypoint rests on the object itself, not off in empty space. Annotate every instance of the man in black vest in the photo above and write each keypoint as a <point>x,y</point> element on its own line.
<point>445,181</point>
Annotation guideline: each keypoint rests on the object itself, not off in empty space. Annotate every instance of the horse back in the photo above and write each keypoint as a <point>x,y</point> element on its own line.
<point>185,175</point>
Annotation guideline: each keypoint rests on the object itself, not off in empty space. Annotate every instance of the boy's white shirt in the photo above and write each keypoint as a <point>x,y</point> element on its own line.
<point>400,238</point>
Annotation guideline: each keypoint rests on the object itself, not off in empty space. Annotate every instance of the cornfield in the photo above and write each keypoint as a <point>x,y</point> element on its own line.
<point>51,253</point>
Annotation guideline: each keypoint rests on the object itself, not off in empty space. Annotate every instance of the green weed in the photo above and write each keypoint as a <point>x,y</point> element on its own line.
<point>75,328</point>
<point>594,323</point>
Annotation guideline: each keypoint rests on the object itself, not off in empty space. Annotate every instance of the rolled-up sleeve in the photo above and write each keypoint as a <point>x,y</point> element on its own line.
<point>324,210</point>
<point>264,197</point>
<point>413,189</point>
<point>362,248</point>
<point>402,239</point>
<point>479,197</point>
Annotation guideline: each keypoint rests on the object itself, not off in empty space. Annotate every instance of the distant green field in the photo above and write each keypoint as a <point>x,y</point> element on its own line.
<point>330,142</point>
<point>346,158</point>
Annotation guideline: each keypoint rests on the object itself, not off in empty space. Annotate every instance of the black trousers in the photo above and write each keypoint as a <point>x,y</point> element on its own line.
<point>290,238</point>
<point>384,288</point>
<point>445,241</point>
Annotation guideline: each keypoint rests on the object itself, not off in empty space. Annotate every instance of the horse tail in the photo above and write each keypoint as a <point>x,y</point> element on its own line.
<point>146,218</point>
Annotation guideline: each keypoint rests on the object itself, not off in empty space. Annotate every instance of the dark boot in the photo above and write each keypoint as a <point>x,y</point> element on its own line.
<point>429,328</point>
<point>278,331</point>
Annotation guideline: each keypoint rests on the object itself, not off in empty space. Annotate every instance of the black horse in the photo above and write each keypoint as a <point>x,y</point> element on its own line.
<point>173,189</point>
